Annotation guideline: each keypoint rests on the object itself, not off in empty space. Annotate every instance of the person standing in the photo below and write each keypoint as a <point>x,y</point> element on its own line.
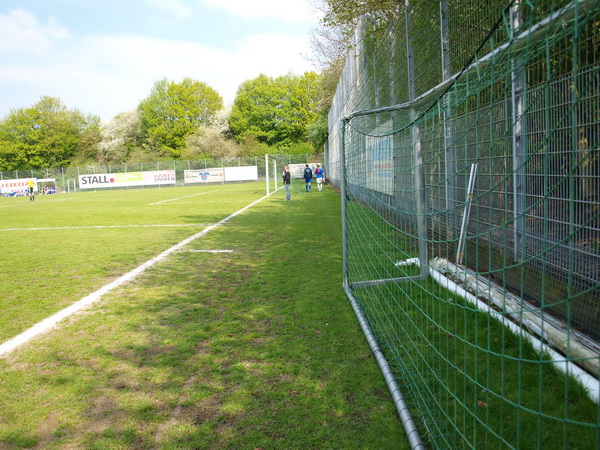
<point>319,176</point>
<point>30,186</point>
<point>286,182</point>
<point>308,177</point>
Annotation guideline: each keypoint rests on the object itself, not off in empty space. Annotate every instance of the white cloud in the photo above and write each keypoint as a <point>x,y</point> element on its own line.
<point>21,33</point>
<point>286,10</point>
<point>110,74</point>
<point>274,55</point>
<point>176,7</point>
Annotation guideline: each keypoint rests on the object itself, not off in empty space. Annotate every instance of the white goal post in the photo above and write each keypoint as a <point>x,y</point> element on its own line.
<point>272,161</point>
<point>69,182</point>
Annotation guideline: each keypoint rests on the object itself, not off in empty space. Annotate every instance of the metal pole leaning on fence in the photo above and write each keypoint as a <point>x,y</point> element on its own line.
<point>460,253</point>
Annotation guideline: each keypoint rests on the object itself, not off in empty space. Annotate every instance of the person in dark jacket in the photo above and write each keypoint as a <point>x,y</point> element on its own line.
<point>286,182</point>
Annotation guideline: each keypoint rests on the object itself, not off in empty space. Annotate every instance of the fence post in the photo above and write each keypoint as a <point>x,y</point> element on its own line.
<point>391,66</point>
<point>518,139</point>
<point>344,204</point>
<point>449,154</point>
<point>419,170</point>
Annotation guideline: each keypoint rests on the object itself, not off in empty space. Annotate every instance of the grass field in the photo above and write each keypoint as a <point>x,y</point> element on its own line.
<point>256,347</point>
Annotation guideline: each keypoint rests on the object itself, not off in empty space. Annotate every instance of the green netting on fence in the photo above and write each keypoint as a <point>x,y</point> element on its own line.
<point>466,138</point>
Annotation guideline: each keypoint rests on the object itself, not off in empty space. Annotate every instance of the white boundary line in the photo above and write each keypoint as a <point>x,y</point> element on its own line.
<point>51,321</point>
<point>176,225</point>
<point>39,203</point>
<point>180,198</point>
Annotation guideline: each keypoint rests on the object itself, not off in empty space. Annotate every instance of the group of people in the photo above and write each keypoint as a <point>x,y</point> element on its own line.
<point>319,174</point>
<point>30,191</point>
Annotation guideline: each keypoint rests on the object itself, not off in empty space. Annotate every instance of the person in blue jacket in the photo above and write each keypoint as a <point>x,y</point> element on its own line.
<point>308,177</point>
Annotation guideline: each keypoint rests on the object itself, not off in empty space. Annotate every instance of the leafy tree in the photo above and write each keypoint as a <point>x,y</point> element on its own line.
<point>212,141</point>
<point>173,111</point>
<point>120,136</point>
<point>209,142</point>
<point>318,130</point>
<point>251,146</point>
<point>42,136</point>
<point>345,13</point>
<point>275,111</point>
<point>90,140</point>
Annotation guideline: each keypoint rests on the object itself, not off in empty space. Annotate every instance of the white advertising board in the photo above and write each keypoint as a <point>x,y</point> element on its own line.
<point>106,180</point>
<point>212,175</point>
<point>246,173</point>
<point>16,185</point>
<point>219,175</point>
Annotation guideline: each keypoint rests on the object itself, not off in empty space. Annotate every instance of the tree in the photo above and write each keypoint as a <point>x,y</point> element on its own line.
<point>42,136</point>
<point>89,142</point>
<point>276,111</point>
<point>212,141</point>
<point>345,13</point>
<point>173,111</point>
<point>120,136</point>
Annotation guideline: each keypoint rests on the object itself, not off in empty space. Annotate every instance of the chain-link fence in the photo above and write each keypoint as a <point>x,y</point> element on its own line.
<point>465,137</point>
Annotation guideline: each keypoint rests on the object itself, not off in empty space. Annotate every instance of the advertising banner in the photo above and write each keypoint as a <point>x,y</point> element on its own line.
<point>380,164</point>
<point>109,180</point>
<point>219,175</point>
<point>212,175</point>
<point>16,185</point>
<point>246,173</point>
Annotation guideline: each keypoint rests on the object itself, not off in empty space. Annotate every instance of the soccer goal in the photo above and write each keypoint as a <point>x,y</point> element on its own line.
<point>73,183</point>
<point>271,173</point>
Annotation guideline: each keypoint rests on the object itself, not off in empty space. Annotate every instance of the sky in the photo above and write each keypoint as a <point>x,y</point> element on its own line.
<point>102,57</point>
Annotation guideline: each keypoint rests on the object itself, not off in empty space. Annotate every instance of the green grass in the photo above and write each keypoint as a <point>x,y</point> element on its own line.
<point>257,348</point>
<point>54,252</point>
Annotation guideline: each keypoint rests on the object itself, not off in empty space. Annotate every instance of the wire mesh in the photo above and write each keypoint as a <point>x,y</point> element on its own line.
<point>486,301</point>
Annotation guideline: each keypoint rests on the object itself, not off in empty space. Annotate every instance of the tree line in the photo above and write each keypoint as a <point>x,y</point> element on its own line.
<point>186,120</point>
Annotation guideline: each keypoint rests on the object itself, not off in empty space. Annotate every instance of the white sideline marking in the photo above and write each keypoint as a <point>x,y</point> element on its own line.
<point>51,321</point>
<point>211,251</point>
<point>106,226</point>
<point>44,202</point>
<point>187,196</point>
<point>181,203</point>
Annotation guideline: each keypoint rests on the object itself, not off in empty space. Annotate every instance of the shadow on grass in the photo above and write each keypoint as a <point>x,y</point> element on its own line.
<point>257,348</point>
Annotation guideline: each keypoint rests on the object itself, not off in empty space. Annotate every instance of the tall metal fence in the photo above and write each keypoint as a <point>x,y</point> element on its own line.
<point>465,137</point>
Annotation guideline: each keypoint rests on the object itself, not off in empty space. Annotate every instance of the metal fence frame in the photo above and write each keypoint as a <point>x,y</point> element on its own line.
<point>434,194</point>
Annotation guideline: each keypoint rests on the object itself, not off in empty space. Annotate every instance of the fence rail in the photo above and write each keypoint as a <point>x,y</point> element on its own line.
<point>466,139</point>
